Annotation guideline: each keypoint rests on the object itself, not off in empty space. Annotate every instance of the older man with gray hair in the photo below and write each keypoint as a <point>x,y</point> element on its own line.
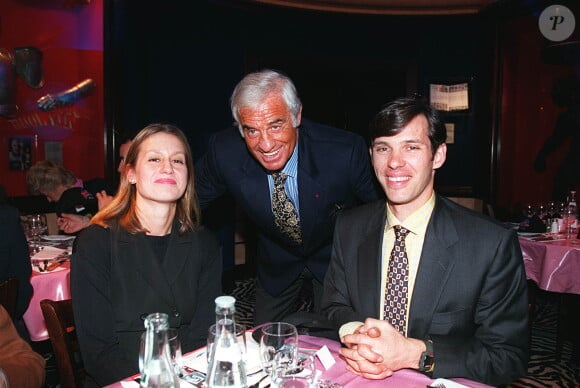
<point>291,177</point>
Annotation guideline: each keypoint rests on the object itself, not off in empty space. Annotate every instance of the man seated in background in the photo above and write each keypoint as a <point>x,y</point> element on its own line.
<point>451,300</point>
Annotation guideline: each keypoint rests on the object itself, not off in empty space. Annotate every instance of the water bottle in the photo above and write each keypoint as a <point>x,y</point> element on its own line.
<point>571,215</point>
<point>157,369</point>
<point>227,367</point>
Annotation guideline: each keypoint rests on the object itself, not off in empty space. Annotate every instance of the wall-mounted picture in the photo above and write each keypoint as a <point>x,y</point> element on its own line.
<point>19,153</point>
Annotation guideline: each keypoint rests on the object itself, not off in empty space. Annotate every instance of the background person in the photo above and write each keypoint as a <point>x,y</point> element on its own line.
<point>20,366</point>
<point>71,195</point>
<point>143,253</point>
<point>327,171</point>
<point>103,198</point>
<point>14,256</point>
<point>565,94</point>
<point>465,313</point>
<point>72,223</point>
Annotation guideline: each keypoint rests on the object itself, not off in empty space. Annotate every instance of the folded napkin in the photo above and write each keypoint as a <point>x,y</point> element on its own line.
<point>134,384</point>
<point>447,384</point>
<point>48,253</point>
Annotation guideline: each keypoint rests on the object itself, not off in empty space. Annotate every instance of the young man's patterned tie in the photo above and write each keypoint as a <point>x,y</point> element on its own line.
<point>396,293</point>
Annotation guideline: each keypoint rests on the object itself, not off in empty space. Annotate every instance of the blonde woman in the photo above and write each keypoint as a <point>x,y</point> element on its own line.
<point>145,252</point>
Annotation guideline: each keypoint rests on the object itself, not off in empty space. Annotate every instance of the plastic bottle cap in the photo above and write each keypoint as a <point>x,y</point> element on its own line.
<point>225,301</point>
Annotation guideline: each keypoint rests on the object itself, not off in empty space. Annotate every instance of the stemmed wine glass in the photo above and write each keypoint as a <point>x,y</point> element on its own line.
<point>36,227</point>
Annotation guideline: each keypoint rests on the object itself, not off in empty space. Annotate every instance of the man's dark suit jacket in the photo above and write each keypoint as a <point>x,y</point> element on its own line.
<point>334,173</point>
<point>14,255</point>
<point>470,294</point>
<point>116,280</point>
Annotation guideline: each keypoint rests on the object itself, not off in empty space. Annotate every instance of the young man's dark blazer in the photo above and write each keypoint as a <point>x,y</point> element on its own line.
<point>470,294</point>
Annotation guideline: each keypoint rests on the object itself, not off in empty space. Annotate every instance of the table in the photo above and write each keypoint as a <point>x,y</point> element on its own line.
<point>553,265</point>
<point>50,285</point>
<point>53,285</point>
<point>338,373</point>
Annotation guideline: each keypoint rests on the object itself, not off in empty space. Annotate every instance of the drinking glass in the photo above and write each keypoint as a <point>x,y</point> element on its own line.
<point>142,343</point>
<point>279,343</point>
<point>302,375</point>
<point>569,221</point>
<point>175,350</point>
<point>36,226</point>
<point>240,336</point>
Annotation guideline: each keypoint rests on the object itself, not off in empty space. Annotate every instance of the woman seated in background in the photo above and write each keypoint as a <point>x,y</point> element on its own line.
<point>14,257</point>
<point>145,252</point>
<point>75,199</point>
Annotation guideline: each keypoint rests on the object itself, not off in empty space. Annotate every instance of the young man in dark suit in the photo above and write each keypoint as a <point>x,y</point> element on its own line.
<point>326,170</point>
<point>461,298</point>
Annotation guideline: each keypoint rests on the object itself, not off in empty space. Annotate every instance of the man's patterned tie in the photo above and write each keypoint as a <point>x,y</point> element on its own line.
<point>285,214</point>
<point>396,293</point>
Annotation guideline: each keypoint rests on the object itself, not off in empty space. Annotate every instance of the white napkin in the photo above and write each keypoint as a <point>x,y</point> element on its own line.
<point>447,383</point>
<point>48,253</point>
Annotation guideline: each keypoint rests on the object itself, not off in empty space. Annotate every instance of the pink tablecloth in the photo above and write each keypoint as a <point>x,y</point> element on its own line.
<point>403,378</point>
<point>52,285</point>
<point>553,265</point>
<point>338,373</point>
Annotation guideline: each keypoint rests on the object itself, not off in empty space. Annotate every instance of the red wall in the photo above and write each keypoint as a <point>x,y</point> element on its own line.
<point>70,37</point>
<point>528,115</point>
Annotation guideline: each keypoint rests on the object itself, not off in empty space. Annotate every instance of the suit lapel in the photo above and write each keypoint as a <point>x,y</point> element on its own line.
<point>312,196</point>
<point>437,260</point>
<point>369,260</point>
<point>255,191</point>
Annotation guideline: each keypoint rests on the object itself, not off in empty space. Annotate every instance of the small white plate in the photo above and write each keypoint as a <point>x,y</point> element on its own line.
<point>529,234</point>
<point>57,237</point>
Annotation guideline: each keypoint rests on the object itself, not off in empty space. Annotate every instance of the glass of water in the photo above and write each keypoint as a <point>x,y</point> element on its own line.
<point>279,344</point>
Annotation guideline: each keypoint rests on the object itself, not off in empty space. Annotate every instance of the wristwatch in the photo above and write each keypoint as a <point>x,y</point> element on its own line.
<point>427,360</point>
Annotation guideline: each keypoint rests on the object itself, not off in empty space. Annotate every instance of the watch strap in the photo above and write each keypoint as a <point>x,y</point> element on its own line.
<point>427,360</point>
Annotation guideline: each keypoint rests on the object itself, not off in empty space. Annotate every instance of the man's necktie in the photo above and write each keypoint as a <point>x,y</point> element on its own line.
<point>285,214</point>
<point>396,294</point>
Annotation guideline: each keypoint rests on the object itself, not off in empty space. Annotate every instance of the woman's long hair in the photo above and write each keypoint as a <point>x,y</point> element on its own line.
<point>123,206</point>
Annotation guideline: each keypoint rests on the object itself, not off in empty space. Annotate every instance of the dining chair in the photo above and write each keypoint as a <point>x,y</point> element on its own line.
<point>60,325</point>
<point>9,295</point>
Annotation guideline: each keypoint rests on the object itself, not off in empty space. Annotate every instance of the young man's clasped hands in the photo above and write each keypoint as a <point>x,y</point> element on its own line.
<point>376,349</point>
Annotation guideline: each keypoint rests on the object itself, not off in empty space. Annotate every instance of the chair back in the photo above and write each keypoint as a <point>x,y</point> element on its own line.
<point>60,325</point>
<point>9,295</point>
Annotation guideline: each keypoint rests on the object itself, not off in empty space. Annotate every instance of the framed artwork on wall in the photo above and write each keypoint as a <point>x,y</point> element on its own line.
<point>19,153</point>
<point>451,95</point>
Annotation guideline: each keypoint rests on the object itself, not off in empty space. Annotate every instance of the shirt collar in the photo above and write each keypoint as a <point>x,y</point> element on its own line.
<point>291,167</point>
<point>417,222</point>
